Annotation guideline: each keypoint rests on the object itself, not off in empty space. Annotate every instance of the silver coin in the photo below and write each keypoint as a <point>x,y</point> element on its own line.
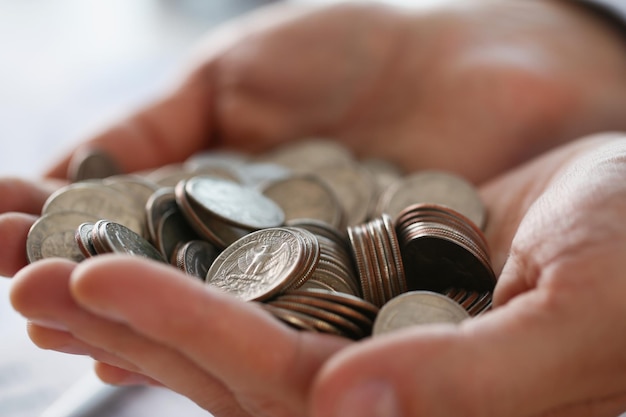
<point>92,164</point>
<point>117,238</point>
<point>158,205</point>
<point>172,230</point>
<point>354,188</point>
<point>306,197</point>
<point>196,257</point>
<point>259,265</point>
<point>309,155</point>
<point>99,200</point>
<point>53,236</point>
<point>257,174</point>
<point>233,203</point>
<point>436,187</point>
<point>416,308</point>
<point>137,188</point>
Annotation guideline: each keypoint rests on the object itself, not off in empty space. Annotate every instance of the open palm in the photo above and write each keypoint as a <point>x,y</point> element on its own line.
<point>408,87</point>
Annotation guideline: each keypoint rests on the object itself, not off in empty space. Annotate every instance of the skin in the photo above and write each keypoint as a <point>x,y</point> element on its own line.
<point>504,104</point>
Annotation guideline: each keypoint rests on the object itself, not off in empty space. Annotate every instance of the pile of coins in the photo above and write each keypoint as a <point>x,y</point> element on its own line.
<point>321,240</point>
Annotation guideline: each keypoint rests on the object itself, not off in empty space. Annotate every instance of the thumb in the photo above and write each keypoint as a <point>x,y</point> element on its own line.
<point>526,358</point>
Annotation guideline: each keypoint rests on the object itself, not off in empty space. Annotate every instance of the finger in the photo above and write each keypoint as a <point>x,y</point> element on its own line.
<point>65,342</point>
<point>24,196</point>
<point>237,342</point>
<point>493,365</point>
<point>14,229</point>
<point>166,131</point>
<point>121,376</point>
<point>610,406</point>
<point>41,293</point>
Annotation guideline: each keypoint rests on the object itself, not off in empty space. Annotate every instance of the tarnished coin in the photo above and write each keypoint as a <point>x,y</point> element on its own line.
<point>233,203</point>
<point>261,264</point>
<point>437,187</point>
<point>348,328</point>
<point>116,238</point>
<point>309,155</point>
<point>441,250</point>
<point>136,187</point>
<point>354,188</point>
<point>196,257</point>
<point>257,174</point>
<point>99,200</point>
<point>53,236</point>
<point>306,197</point>
<point>356,303</point>
<point>302,321</point>
<point>416,308</point>
<point>92,164</point>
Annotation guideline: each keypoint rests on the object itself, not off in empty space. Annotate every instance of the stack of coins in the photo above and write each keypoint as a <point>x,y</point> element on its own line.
<point>335,270</point>
<point>442,248</point>
<point>338,237</point>
<point>378,258</point>
<point>475,302</point>
<point>108,237</point>
<point>324,311</point>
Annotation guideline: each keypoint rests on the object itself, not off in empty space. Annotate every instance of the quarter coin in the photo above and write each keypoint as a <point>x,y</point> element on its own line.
<point>416,308</point>
<point>53,235</point>
<point>233,203</point>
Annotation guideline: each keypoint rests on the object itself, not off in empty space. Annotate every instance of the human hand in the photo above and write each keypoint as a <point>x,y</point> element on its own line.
<point>553,345</point>
<point>235,98</point>
<point>450,88</point>
<point>554,229</point>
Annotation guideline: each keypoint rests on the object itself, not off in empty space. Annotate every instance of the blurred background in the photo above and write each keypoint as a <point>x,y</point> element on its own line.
<point>67,66</point>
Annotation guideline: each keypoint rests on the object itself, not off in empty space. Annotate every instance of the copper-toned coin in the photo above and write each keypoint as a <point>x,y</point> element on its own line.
<point>436,187</point>
<point>261,264</point>
<point>116,238</point>
<point>417,308</point>
<point>347,327</point>
<point>482,304</point>
<point>196,257</point>
<point>305,197</point>
<point>440,250</point>
<point>53,235</point>
<point>92,164</point>
<point>357,303</point>
<point>361,320</point>
<point>303,321</point>
<point>359,252</point>
<point>234,204</point>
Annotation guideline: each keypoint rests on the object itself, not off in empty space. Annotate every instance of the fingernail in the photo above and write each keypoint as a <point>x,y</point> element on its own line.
<point>368,399</point>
